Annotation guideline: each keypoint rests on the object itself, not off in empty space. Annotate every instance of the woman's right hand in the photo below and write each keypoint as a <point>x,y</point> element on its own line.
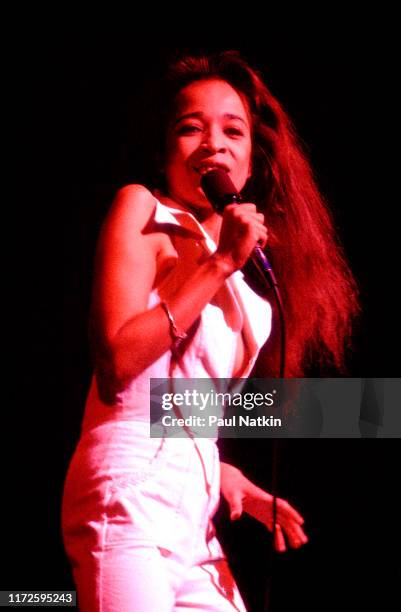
<point>242,229</point>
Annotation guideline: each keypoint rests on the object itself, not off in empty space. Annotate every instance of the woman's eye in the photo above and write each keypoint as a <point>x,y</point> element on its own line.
<point>189,129</point>
<point>234,131</point>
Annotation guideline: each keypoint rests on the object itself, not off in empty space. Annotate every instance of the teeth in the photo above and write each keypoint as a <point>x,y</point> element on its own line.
<point>205,169</point>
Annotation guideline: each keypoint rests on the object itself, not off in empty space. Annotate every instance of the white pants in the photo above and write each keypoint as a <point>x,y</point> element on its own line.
<point>137,524</point>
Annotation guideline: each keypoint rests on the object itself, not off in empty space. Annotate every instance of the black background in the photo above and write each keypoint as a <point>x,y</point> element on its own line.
<point>77,107</point>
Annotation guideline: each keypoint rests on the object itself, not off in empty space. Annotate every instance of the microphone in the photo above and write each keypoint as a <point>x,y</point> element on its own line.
<point>220,191</point>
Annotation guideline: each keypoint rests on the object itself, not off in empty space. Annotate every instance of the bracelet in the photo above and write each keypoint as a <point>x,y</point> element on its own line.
<point>173,328</point>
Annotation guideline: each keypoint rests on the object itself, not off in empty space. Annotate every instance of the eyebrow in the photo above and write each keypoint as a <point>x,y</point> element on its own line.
<point>200,115</point>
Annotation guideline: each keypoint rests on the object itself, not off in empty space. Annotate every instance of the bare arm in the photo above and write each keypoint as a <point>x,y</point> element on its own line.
<point>127,336</point>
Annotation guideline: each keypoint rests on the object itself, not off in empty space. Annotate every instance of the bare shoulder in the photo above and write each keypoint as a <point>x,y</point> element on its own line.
<point>133,204</point>
<point>135,193</point>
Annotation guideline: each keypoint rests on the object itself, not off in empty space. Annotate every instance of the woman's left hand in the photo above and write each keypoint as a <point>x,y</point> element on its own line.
<point>242,495</point>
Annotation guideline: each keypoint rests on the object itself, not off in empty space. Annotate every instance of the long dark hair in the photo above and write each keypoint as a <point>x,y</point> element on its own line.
<point>318,289</point>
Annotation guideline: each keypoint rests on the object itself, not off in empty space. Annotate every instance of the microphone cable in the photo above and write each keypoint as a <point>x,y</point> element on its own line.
<point>220,191</point>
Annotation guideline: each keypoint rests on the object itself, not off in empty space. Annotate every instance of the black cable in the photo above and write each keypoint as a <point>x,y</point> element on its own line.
<point>269,280</point>
<point>221,191</point>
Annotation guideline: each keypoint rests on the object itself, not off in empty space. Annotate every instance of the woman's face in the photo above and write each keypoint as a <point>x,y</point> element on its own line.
<point>211,127</point>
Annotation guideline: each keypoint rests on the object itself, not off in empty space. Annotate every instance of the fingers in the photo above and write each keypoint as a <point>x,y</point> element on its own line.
<point>262,241</point>
<point>241,230</point>
<point>245,211</point>
<point>289,522</point>
<point>235,506</point>
<point>248,221</point>
<point>288,527</point>
<point>294,535</point>
<point>279,541</point>
<point>286,510</point>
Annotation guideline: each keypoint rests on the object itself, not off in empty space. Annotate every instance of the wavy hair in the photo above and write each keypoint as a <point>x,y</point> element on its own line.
<point>319,293</point>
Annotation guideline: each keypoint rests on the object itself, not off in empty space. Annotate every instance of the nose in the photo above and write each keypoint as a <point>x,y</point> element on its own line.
<point>214,142</point>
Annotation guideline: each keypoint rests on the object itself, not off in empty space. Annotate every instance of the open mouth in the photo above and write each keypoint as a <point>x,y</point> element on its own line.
<point>207,167</point>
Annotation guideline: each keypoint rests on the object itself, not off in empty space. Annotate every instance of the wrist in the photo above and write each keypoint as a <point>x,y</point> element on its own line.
<point>222,265</point>
<point>228,468</point>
